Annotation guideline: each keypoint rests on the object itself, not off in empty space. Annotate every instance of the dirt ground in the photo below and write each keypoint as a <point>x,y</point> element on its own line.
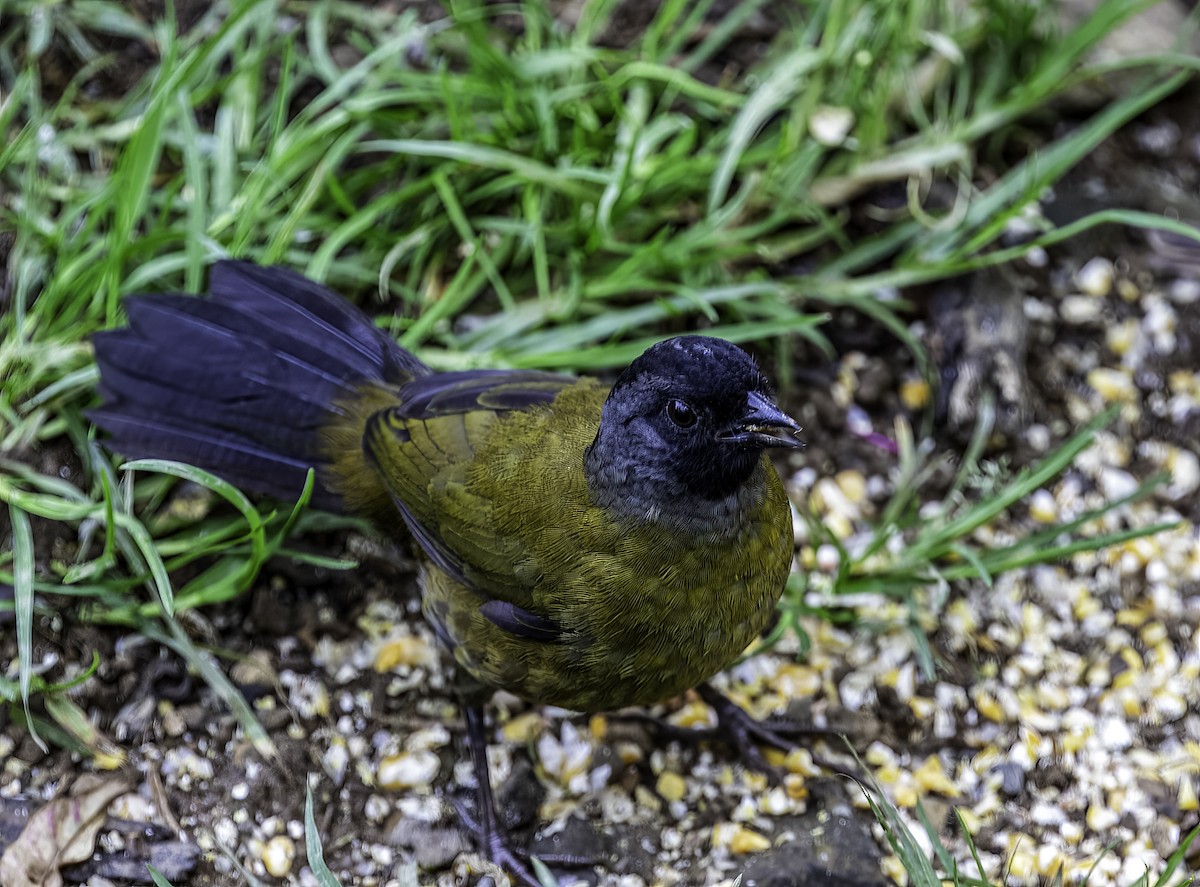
<point>355,694</point>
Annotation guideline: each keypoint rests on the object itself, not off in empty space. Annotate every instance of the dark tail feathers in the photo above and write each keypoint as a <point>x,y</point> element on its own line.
<point>241,383</point>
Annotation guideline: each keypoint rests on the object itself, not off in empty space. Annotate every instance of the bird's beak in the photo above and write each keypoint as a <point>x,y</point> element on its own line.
<point>755,427</point>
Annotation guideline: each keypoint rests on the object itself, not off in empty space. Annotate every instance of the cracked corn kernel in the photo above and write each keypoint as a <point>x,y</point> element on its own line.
<point>410,651</point>
<point>693,714</point>
<point>988,706</point>
<point>1096,277</point>
<point>800,762</point>
<point>914,393</point>
<point>598,726</point>
<point>408,769</point>
<point>671,786</point>
<point>744,840</point>
<point>932,778</point>
<point>524,727</point>
<point>1042,507</point>
<point>853,484</point>
<point>797,681</point>
<point>278,854</point>
<point>1114,386</point>
<point>796,787</point>
<point>1100,819</point>
<point>894,870</point>
<point>1187,794</point>
<point>1121,337</point>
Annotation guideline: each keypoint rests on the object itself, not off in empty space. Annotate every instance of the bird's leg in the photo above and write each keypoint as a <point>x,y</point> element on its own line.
<point>494,837</point>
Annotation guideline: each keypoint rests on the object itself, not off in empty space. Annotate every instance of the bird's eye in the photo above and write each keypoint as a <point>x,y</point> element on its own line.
<point>681,414</point>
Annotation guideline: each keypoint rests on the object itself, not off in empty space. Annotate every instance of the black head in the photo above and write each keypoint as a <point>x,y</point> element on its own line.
<point>690,417</point>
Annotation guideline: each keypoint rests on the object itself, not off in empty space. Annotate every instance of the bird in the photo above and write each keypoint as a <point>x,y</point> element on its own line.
<point>581,545</point>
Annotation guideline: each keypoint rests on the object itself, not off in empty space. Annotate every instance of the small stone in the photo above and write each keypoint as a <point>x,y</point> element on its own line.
<point>1115,734</point>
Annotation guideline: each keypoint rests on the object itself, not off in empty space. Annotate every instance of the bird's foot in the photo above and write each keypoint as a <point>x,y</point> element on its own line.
<point>496,845</point>
<point>745,733</point>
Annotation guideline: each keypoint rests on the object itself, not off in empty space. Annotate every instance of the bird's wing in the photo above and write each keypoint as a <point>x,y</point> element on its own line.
<point>450,454</point>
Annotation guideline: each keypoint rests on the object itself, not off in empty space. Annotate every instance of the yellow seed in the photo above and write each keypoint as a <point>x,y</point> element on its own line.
<point>853,484</point>
<point>746,840</point>
<point>1095,278</point>
<point>922,707</point>
<point>796,681</point>
<point>109,759</point>
<point>523,728</point>
<point>410,651</point>
<point>693,714</point>
<point>988,706</point>
<point>800,762</point>
<point>1130,699</point>
<point>1086,606</point>
<point>932,778</point>
<point>1021,862</point>
<point>914,393</point>
<point>671,786</point>
<point>629,752</point>
<point>1128,290</point>
<point>1153,633</point>
<point>1132,660</point>
<point>894,870</point>
<point>905,795</point>
<point>646,798</point>
<point>1042,507</point>
<point>278,855</point>
<point>408,769</point>
<point>888,774</point>
<point>1120,337</point>
<point>796,787</point>
<point>1187,794</point>
<point>1074,742</point>
<point>1131,617</point>
<point>773,756</point>
<point>1114,386</point>
<point>971,821</point>
<point>598,726</point>
<point>1100,819</point>
<point>755,781</point>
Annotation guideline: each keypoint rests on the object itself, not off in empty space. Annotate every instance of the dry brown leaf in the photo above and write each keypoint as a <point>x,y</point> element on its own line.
<point>61,833</point>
